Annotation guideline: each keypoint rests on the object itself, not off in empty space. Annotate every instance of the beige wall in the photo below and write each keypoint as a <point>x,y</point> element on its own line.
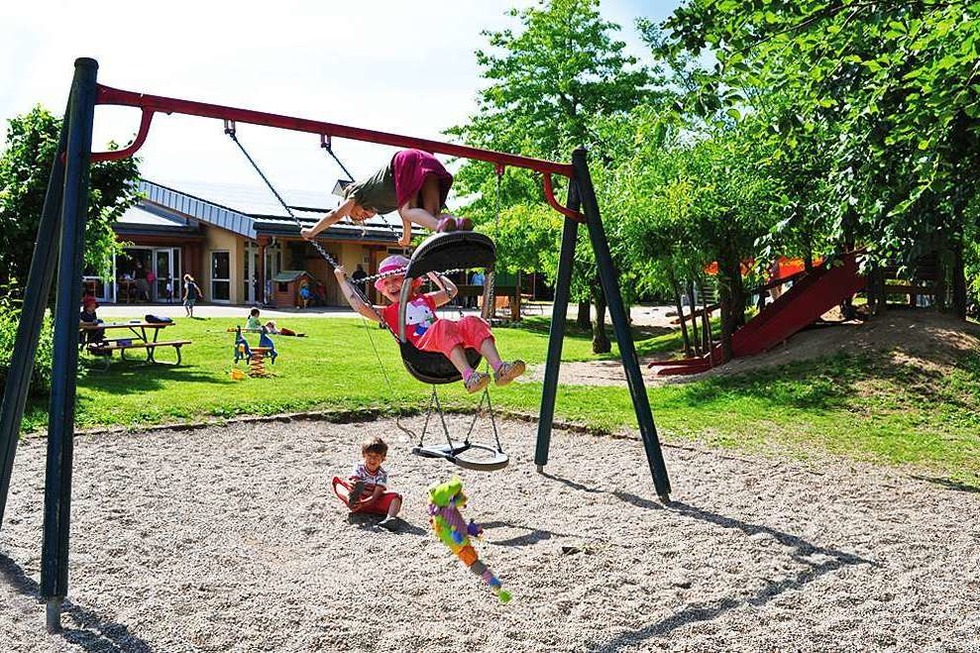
<point>217,240</point>
<point>347,254</point>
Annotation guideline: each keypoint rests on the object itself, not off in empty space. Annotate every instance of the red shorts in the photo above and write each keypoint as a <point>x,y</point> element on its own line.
<point>379,507</point>
<point>469,331</point>
<point>410,168</point>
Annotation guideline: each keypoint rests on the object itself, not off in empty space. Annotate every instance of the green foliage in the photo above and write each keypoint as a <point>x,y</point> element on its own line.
<point>10,310</point>
<point>548,86</point>
<point>886,92</point>
<point>25,168</point>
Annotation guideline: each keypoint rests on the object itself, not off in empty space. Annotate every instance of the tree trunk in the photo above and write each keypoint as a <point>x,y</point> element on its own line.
<point>688,352</point>
<point>731,297</point>
<point>600,341</point>
<point>959,280</point>
<point>707,345</point>
<point>944,267</point>
<point>876,290</point>
<point>584,320</point>
<point>695,336</point>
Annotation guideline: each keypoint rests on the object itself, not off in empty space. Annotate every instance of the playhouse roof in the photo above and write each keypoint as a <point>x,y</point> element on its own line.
<point>286,276</point>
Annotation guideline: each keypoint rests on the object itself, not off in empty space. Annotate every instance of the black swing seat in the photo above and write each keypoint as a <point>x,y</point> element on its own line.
<point>433,366</point>
<point>438,252</point>
<point>447,251</point>
<point>468,456</point>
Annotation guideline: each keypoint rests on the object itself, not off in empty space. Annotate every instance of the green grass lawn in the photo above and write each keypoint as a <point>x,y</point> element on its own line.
<point>863,407</point>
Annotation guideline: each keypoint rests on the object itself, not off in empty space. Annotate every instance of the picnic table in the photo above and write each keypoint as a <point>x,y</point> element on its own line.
<point>142,335</point>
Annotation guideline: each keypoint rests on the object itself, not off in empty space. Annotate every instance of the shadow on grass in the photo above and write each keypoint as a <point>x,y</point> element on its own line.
<point>129,377</point>
<point>816,561</point>
<point>831,382</point>
<point>96,632</point>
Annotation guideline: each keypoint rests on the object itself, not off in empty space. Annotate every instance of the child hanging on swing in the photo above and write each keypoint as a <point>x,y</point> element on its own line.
<point>413,183</point>
<point>429,333</point>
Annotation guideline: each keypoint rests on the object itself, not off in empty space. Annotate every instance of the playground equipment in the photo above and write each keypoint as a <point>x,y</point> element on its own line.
<point>812,295</point>
<point>467,249</point>
<point>255,355</point>
<point>462,248</point>
<point>59,246</point>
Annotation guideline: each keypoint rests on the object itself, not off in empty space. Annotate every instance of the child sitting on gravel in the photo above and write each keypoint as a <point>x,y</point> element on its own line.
<point>367,489</point>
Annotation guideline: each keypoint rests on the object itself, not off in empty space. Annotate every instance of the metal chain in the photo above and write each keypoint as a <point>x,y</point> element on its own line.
<point>230,130</point>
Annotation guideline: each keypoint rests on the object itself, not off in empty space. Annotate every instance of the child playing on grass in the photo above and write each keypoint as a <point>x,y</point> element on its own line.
<point>192,292</point>
<point>428,333</point>
<point>367,489</point>
<point>253,323</point>
<point>413,183</point>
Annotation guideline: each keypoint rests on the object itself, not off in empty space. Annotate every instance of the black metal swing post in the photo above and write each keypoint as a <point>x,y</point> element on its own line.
<point>60,241</point>
<point>582,193</point>
<point>31,317</point>
<point>61,423</point>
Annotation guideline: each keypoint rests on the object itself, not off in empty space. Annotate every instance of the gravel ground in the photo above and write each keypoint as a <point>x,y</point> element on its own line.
<point>228,539</point>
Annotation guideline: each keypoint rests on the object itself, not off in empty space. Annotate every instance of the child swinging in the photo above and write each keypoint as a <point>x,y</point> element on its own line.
<point>429,333</point>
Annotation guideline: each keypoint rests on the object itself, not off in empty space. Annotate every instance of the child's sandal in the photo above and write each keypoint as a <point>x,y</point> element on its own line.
<point>355,495</point>
<point>446,225</point>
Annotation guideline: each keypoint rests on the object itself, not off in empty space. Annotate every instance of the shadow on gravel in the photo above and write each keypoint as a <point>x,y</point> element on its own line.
<point>949,484</point>
<point>96,633</point>
<point>572,484</point>
<point>533,536</point>
<point>816,561</point>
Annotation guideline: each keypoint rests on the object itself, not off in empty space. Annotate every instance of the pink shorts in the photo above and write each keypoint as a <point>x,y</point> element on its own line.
<point>469,331</point>
<point>379,507</point>
<point>410,168</point>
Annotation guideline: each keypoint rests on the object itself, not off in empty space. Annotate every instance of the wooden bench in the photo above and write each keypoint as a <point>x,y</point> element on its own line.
<point>122,346</point>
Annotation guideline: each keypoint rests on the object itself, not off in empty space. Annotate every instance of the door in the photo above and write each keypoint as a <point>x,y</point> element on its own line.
<point>166,267</point>
<point>273,265</point>
<point>250,275</point>
<point>220,277</point>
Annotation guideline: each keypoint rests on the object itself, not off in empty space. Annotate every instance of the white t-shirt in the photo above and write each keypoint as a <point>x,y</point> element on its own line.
<point>378,478</point>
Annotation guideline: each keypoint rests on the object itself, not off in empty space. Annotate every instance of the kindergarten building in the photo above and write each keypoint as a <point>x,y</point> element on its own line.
<point>235,241</point>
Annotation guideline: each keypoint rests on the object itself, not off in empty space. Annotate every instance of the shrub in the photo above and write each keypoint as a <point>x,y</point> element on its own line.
<point>10,310</point>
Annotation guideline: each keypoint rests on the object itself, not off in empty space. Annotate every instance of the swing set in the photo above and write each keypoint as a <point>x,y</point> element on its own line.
<point>59,246</point>
<point>436,254</point>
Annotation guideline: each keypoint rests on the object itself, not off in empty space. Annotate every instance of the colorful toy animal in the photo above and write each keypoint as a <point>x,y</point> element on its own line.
<point>445,500</point>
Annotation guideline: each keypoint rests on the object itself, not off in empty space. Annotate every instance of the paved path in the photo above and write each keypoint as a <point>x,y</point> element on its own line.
<point>642,315</point>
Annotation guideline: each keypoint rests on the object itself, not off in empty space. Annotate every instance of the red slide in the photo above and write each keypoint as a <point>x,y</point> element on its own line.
<point>810,297</point>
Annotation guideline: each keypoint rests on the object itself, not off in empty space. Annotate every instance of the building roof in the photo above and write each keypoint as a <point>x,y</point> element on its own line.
<point>248,211</point>
<point>147,218</point>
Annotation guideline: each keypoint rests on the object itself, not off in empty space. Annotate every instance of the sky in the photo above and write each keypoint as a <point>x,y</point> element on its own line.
<point>401,66</point>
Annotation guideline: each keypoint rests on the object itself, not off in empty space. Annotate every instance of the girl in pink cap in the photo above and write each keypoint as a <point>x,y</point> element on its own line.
<point>428,332</point>
<point>413,183</point>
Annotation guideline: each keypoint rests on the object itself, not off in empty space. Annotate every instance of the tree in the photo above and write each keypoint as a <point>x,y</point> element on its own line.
<point>894,81</point>
<point>25,166</point>
<point>549,85</point>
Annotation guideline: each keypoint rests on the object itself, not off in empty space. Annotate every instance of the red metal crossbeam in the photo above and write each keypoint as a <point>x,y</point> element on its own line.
<point>151,104</point>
